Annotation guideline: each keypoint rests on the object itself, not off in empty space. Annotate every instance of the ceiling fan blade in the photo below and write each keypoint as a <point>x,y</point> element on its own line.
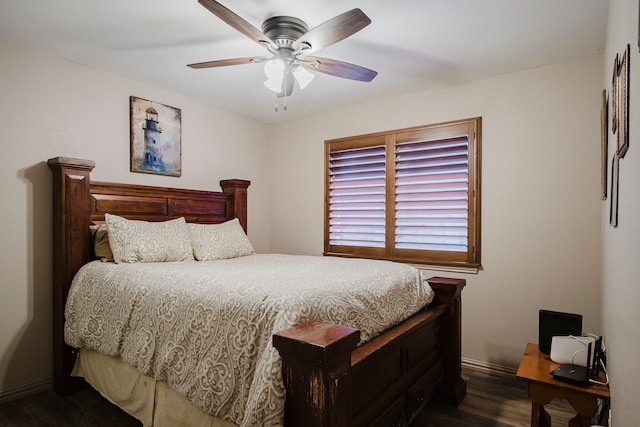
<point>226,62</point>
<point>332,31</point>
<point>340,69</point>
<point>237,22</point>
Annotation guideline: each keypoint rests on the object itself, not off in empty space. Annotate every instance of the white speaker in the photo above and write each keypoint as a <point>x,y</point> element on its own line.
<point>572,350</point>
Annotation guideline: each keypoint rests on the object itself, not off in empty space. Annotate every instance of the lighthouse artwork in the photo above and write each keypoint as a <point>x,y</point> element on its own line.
<point>155,138</point>
<point>152,155</point>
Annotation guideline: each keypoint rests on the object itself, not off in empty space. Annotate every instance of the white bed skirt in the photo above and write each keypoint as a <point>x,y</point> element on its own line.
<point>150,401</point>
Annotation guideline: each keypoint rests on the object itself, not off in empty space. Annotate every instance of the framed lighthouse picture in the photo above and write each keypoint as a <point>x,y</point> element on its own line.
<point>156,137</point>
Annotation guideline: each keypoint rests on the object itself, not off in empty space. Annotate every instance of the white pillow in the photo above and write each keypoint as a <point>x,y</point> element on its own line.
<point>219,241</point>
<point>143,241</point>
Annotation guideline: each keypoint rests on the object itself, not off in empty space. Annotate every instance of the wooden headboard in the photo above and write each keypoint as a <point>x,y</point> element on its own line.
<point>78,203</point>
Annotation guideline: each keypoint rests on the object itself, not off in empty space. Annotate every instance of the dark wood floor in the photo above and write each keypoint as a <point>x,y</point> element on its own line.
<point>493,400</point>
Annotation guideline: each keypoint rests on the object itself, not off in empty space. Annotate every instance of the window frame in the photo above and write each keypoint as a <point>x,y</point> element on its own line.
<point>469,259</point>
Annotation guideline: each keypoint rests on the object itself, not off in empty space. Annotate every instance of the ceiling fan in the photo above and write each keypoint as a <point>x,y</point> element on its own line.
<point>290,42</point>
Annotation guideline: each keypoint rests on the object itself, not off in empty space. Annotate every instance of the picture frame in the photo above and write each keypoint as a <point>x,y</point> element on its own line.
<point>614,96</point>
<point>155,137</point>
<point>604,143</point>
<point>613,207</point>
<point>623,103</point>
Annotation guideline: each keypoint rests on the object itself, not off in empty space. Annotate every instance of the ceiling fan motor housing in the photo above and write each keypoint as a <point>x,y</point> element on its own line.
<point>284,30</point>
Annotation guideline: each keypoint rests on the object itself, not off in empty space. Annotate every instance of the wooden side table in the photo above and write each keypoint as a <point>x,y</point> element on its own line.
<point>535,367</point>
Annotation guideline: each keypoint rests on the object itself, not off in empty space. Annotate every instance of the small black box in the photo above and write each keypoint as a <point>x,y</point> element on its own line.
<point>573,374</point>
<point>555,323</point>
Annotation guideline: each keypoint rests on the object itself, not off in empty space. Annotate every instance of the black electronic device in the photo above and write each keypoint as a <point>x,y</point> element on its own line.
<point>555,323</point>
<point>575,374</point>
<point>598,359</point>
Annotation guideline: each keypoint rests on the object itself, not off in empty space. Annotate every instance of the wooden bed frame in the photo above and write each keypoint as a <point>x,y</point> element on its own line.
<point>329,380</point>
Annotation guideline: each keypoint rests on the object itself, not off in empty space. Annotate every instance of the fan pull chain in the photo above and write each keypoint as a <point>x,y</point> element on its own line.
<point>286,86</point>
<point>284,107</point>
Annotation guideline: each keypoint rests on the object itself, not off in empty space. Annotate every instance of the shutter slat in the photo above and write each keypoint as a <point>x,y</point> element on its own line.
<point>432,247</point>
<point>431,194</point>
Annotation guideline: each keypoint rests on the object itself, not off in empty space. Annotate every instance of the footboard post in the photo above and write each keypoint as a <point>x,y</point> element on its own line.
<point>316,357</point>
<point>448,293</point>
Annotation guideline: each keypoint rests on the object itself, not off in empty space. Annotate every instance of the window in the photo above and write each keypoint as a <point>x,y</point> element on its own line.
<point>409,195</point>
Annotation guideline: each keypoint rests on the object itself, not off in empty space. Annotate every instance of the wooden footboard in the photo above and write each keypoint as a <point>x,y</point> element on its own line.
<point>385,382</point>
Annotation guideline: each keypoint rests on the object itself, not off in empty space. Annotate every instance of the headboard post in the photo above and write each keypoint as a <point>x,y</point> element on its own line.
<point>71,249</point>
<point>237,204</point>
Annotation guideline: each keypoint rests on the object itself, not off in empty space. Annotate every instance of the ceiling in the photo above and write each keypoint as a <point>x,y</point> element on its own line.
<point>413,44</point>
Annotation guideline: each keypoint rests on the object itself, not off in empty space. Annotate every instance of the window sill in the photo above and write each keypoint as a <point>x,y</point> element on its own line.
<point>447,268</point>
<point>421,267</point>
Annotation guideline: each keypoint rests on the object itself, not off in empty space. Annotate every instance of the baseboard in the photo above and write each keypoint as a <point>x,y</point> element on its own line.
<point>480,365</point>
<point>25,390</point>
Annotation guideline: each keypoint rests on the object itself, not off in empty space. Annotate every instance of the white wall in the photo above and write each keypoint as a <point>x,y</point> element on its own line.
<point>51,107</point>
<point>540,194</point>
<point>621,260</point>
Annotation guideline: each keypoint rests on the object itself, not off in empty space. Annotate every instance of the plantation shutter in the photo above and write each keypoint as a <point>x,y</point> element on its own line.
<point>431,193</point>
<point>410,195</point>
<point>357,196</point>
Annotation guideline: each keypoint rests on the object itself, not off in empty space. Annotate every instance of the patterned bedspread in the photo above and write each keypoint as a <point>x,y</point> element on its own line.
<point>205,327</point>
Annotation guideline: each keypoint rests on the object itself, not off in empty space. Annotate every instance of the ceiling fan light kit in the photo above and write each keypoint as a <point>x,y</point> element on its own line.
<point>289,41</point>
<point>274,69</point>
